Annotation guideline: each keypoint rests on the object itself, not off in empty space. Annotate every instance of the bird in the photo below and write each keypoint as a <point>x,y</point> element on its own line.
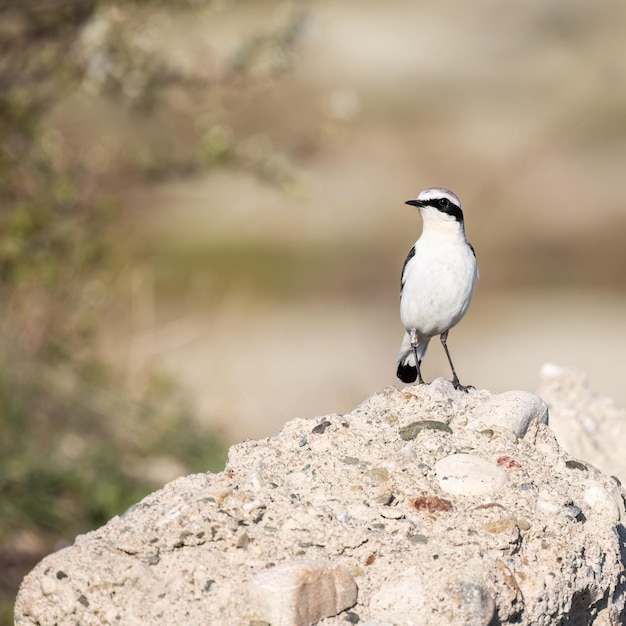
<point>437,283</point>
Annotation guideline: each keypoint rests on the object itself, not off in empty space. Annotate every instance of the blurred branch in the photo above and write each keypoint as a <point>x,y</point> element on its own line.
<point>35,39</point>
<point>75,448</point>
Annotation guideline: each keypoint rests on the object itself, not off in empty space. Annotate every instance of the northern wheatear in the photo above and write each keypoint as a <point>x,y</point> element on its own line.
<point>438,279</point>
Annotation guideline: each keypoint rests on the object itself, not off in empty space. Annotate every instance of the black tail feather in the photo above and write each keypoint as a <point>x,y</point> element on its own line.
<point>406,373</point>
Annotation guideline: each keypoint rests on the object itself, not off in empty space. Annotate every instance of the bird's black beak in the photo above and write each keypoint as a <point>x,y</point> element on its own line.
<point>417,203</point>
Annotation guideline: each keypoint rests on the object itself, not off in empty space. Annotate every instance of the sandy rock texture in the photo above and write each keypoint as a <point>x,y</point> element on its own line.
<point>422,506</point>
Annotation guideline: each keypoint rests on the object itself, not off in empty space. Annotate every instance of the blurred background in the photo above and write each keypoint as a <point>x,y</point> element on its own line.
<point>202,223</point>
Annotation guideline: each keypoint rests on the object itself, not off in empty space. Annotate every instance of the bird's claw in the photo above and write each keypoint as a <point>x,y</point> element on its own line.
<point>459,387</point>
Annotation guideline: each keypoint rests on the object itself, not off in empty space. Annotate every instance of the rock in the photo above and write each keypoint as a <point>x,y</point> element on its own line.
<point>340,520</point>
<point>299,593</point>
<point>513,410</point>
<point>589,426</point>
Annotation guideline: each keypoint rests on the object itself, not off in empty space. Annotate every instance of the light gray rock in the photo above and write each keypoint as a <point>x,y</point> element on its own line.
<point>513,410</point>
<point>447,526</point>
<point>300,593</point>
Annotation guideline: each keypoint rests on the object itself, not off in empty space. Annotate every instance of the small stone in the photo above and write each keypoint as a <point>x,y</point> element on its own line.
<point>601,501</point>
<point>512,410</point>
<point>547,505</point>
<point>253,505</point>
<point>572,464</point>
<point>575,513</point>
<point>153,558</point>
<point>469,475</point>
<point>256,477</point>
<point>350,460</point>
<point>502,525</point>
<point>385,499</point>
<point>507,462</point>
<point>48,586</point>
<point>431,504</point>
<point>320,428</point>
<point>474,605</point>
<point>299,593</point>
<point>392,419</point>
<point>379,474</point>
<point>414,428</point>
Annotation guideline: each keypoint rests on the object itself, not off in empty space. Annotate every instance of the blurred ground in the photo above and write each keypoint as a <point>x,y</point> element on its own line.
<point>518,108</point>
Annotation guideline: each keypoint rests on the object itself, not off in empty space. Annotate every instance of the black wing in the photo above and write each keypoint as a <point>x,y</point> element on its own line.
<point>409,256</point>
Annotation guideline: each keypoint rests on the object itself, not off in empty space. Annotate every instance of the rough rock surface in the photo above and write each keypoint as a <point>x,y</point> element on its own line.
<point>422,506</point>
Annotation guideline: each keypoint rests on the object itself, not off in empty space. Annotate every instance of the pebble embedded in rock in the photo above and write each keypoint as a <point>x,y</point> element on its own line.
<point>300,593</point>
<point>469,475</point>
<point>414,428</point>
<point>573,464</point>
<point>431,504</point>
<point>475,605</point>
<point>512,410</point>
<point>601,501</point>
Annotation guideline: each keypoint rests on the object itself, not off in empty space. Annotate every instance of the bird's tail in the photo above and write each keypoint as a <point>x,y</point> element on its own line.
<point>407,368</point>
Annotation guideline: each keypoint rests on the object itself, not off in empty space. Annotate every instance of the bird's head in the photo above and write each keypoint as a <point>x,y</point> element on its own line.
<point>438,204</point>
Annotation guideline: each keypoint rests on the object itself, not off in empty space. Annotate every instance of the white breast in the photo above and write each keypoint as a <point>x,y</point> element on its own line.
<point>438,284</point>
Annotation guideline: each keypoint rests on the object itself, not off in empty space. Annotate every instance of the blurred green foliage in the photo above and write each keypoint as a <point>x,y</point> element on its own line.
<point>74,448</point>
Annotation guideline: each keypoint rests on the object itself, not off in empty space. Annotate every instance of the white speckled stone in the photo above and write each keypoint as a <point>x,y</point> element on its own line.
<point>469,475</point>
<point>547,504</point>
<point>599,500</point>
<point>513,410</point>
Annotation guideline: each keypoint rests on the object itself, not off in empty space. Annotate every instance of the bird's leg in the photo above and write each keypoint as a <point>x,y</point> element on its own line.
<point>455,378</point>
<point>413,337</point>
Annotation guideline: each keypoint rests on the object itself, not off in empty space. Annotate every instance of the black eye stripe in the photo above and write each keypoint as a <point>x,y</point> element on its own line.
<point>446,206</point>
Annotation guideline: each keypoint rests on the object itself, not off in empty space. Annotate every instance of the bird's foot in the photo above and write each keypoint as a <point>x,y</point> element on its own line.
<point>459,387</point>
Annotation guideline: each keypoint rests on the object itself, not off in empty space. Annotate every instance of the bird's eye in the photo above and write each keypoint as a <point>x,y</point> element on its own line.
<point>444,202</point>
